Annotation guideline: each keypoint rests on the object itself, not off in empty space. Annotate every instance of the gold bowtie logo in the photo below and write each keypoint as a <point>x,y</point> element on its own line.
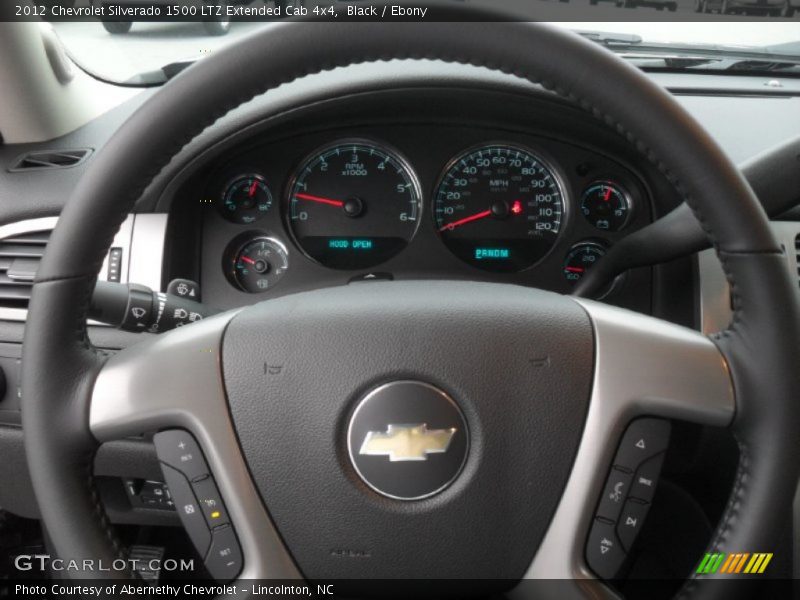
<point>407,442</point>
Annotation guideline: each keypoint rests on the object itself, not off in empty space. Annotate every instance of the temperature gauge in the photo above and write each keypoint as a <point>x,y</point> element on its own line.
<point>257,265</point>
<point>606,205</point>
<point>582,257</point>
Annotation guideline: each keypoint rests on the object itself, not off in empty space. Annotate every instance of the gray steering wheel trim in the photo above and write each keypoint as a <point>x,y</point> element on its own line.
<point>173,381</point>
<point>758,347</point>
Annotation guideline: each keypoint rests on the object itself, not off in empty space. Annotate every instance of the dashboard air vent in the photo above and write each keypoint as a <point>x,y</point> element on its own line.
<point>50,159</point>
<point>797,255</point>
<point>19,261</point>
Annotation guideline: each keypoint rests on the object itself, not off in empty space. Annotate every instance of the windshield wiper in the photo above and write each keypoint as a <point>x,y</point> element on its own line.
<point>611,40</point>
<point>688,56</point>
<point>671,61</point>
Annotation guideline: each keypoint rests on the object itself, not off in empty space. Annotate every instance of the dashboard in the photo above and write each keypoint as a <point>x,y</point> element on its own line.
<point>429,196</point>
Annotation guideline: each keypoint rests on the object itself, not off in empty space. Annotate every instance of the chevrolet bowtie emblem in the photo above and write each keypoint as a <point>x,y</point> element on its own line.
<point>407,442</point>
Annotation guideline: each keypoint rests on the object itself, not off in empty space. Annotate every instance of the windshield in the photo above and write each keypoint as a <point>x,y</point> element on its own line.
<point>138,54</point>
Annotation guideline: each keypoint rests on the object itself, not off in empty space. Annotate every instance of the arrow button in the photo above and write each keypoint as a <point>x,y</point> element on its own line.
<point>643,440</point>
<point>604,553</point>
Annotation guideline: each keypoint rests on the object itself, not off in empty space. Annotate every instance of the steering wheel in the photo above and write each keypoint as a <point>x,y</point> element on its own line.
<point>537,388</point>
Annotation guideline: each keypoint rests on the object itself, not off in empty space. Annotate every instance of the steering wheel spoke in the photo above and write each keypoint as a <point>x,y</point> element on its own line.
<point>174,381</point>
<point>644,367</point>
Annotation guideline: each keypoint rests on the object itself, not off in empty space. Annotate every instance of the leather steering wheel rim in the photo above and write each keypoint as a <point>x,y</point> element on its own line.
<point>61,364</point>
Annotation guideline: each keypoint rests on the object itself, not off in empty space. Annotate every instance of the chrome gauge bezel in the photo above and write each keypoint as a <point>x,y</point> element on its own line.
<point>543,158</point>
<point>603,246</point>
<point>227,187</point>
<point>624,192</point>
<point>235,249</point>
<point>305,162</point>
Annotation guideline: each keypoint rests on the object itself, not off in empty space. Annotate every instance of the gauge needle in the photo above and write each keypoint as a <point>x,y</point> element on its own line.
<point>607,196</point>
<point>248,260</point>
<point>319,199</point>
<point>465,220</point>
<point>574,269</point>
<point>252,191</point>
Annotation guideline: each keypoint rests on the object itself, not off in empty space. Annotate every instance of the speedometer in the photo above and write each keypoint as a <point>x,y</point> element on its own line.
<point>499,207</point>
<point>353,205</point>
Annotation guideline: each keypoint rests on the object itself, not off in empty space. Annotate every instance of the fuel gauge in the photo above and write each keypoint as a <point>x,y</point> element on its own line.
<point>256,265</point>
<point>606,205</point>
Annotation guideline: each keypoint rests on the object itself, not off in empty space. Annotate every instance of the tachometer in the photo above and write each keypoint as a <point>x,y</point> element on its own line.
<point>499,207</point>
<point>353,205</point>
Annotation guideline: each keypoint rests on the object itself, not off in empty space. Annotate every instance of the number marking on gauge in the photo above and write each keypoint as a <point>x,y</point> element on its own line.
<point>499,207</point>
<point>353,205</point>
<point>606,205</point>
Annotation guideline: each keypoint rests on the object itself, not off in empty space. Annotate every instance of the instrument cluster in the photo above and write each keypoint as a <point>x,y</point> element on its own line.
<point>353,204</point>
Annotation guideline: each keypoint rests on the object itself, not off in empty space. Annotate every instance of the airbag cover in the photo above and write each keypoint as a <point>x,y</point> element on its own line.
<point>518,363</point>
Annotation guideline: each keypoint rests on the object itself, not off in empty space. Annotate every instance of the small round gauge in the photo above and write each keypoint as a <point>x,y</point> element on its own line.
<point>256,265</point>
<point>499,207</point>
<point>580,258</point>
<point>606,205</point>
<point>246,199</point>
<point>353,205</point>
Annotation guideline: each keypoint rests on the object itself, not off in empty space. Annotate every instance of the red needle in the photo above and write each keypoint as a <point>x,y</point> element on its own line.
<point>252,191</point>
<point>248,260</point>
<point>607,197</point>
<point>475,217</point>
<point>575,269</point>
<point>319,199</point>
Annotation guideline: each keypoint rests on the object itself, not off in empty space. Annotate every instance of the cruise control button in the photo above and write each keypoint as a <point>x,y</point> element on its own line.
<point>224,560</point>
<point>178,449</point>
<point>630,522</point>
<point>644,439</point>
<point>614,494</point>
<point>646,479</point>
<point>604,553</point>
<point>210,502</point>
<point>188,509</point>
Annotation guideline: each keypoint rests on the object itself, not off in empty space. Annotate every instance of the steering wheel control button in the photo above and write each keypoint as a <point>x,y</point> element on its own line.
<point>188,508</point>
<point>224,559</point>
<point>199,503</point>
<point>604,553</point>
<point>630,522</point>
<point>627,494</point>
<point>643,439</point>
<point>407,440</point>
<point>616,491</point>
<point>178,449</point>
<point>210,502</point>
<point>646,479</point>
